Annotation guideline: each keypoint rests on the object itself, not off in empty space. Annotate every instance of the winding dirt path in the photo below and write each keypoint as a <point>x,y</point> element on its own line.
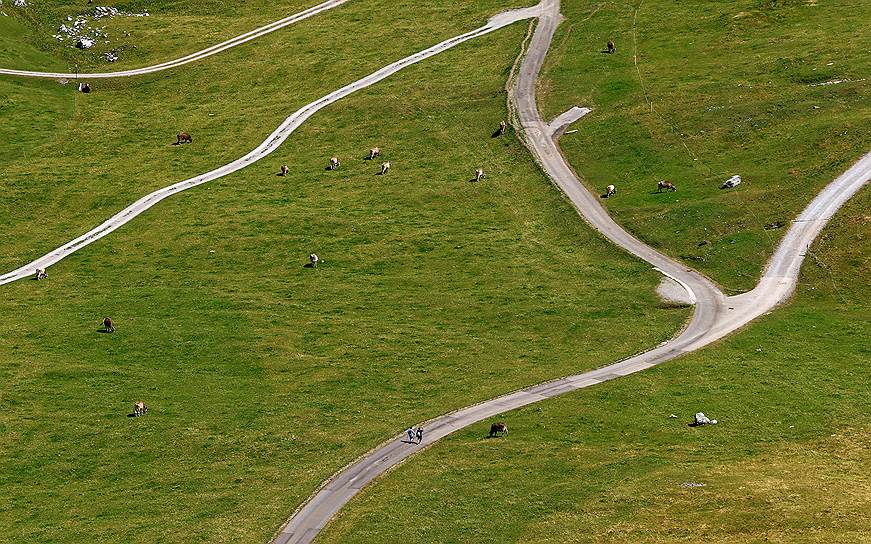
<point>715,314</point>
<point>199,55</point>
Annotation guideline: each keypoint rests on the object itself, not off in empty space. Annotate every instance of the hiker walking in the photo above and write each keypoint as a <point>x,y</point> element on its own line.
<point>419,434</point>
<point>410,432</point>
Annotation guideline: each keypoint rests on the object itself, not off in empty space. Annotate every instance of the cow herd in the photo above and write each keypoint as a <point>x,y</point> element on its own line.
<point>334,164</point>
<point>661,186</point>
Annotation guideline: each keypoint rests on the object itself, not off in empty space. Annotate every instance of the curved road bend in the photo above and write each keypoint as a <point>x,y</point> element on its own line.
<point>223,46</point>
<point>715,315</point>
<point>269,145</point>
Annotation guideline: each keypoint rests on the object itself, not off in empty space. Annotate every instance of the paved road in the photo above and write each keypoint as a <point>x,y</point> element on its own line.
<point>199,55</point>
<point>714,317</point>
<point>269,145</point>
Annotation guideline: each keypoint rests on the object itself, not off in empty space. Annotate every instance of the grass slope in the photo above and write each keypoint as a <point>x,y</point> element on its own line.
<point>787,463</point>
<point>30,109</point>
<point>264,378</point>
<point>720,88</point>
<point>117,145</point>
<point>172,29</point>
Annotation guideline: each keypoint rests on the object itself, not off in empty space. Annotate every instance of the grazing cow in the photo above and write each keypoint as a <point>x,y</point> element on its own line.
<point>334,163</point>
<point>385,167</point>
<point>479,174</point>
<point>139,409</point>
<point>611,47</point>
<point>374,152</point>
<point>84,88</point>
<point>108,324</point>
<point>184,137</point>
<point>667,185</point>
<point>498,428</point>
<point>284,170</point>
<point>40,274</point>
<point>503,126</point>
<point>313,259</point>
<point>610,191</point>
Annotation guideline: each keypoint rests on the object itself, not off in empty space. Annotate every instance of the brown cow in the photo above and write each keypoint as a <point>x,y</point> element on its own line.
<point>184,137</point>
<point>479,174</point>
<point>498,428</point>
<point>139,409</point>
<point>334,163</point>
<point>108,324</point>
<point>611,47</point>
<point>667,185</point>
<point>284,170</point>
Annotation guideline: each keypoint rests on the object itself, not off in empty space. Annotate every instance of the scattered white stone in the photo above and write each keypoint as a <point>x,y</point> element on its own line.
<point>104,11</point>
<point>731,182</point>
<point>834,82</point>
<point>692,484</point>
<point>80,33</point>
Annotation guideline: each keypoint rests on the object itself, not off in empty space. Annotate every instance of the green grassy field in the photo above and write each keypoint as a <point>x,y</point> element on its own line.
<point>786,463</point>
<point>720,88</point>
<point>263,378</point>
